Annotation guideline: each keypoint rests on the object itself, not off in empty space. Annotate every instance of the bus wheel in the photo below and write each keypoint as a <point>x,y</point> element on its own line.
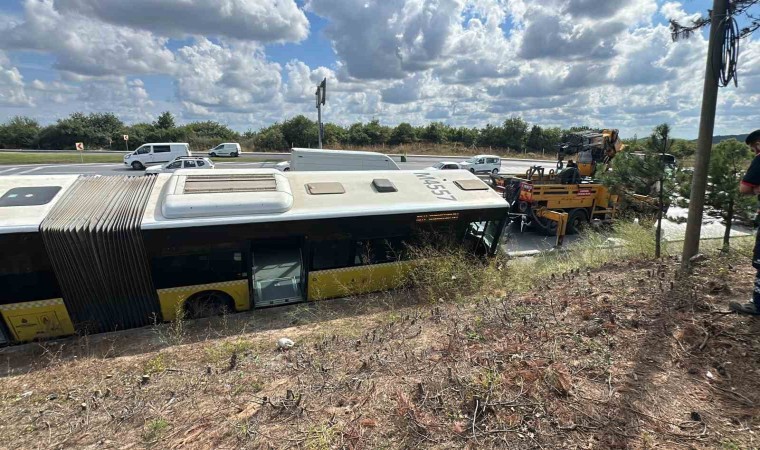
<point>575,220</point>
<point>208,304</point>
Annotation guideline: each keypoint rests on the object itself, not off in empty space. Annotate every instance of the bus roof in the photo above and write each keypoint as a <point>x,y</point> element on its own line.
<point>26,200</point>
<point>190,198</point>
<point>312,195</point>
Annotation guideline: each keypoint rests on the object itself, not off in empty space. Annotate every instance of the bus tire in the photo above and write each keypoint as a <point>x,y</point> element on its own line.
<point>575,220</point>
<point>208,304</point>
<point>137,165</point>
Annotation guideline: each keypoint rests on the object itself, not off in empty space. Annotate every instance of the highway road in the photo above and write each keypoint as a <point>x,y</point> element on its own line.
<point>253,160</point>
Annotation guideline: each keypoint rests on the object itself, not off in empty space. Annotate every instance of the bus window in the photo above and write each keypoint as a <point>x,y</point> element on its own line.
<point>214,265</point>
<point>378,251</point>
<point>330,254</point>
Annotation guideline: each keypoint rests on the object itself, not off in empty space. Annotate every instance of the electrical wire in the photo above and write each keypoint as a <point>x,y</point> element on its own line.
<point>724,69</point>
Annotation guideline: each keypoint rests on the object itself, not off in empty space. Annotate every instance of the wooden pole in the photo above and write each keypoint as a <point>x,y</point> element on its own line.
<point>704,142</point>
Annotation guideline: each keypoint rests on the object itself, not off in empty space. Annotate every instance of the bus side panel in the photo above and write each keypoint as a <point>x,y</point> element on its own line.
<point>332,283</point>
<point>37,319</point>
<point>173,299</point>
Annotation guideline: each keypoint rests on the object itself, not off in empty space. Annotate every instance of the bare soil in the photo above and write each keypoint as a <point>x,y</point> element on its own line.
<point>627,356</point>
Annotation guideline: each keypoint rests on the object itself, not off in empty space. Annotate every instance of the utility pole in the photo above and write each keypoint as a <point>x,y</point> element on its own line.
<point>321,91</point>
<point>706,127</point>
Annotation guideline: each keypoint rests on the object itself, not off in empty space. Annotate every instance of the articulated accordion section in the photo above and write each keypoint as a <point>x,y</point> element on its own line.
<point>93,238</point>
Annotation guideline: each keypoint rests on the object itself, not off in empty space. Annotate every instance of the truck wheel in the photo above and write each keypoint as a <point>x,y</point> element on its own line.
<point>136,165</point>
<point>575,220</point>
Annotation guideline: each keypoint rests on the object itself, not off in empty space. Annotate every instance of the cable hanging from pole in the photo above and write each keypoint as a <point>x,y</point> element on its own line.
<point>725,64</point>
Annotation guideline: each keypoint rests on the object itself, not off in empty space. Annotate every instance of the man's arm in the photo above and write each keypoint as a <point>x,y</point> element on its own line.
<point>750,184</point>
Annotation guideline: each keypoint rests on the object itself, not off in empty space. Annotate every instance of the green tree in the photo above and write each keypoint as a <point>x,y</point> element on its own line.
<point>435,133</point>
<point>728,161</point>
<point>550,139</point>
<point>270,138</point>
<point>208,129</point>
<point>515,133</point>
<point>465,136</point>
<point>402,134</point>
<point>300,132</point>
<point>535,138</point>
<point>490,136</point>
<point>645,173</point>
<point>334,135</point>
<point>659,144</point>
<point>165,121</point>
<point>19,132</point>
<point>357,135</point>
<point>683,148</point>
<point>376,133</point>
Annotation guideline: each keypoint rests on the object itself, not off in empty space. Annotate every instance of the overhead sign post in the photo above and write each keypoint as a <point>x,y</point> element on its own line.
<point>80,148</point>
<point>126,142</point>
<point>321,96</point>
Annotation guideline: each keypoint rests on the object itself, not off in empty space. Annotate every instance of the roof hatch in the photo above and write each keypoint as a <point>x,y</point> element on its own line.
<point>196,193</point>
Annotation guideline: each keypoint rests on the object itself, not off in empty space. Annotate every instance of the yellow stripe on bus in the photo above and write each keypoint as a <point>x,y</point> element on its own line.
<point>173,298</point>
<point>38,319</point>
<point>332,283</point>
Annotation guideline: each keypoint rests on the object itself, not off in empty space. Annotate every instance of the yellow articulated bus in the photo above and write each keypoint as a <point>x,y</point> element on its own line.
<point>84,254</point>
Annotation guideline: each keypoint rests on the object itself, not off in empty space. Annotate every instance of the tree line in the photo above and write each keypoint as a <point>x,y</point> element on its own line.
<point>105,131</point>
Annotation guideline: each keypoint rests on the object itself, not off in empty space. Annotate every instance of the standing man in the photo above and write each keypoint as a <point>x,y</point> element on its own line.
<point>750,185</point>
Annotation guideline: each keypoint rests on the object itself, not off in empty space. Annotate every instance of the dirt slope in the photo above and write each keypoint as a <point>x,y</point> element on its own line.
<point>626,356</point>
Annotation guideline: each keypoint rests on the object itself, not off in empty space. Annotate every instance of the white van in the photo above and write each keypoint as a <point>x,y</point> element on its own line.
<point>482,163</point>
<point>306,159</point>
<point>154,153</point>
<point>226,149</point>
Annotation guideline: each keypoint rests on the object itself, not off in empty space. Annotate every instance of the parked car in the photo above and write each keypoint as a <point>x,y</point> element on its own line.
<point>226,149</point>
<point>482,163</point>
<point>305,159</point>
<point>445,165</point>
<point>182,162</point>
<point>148,154</point>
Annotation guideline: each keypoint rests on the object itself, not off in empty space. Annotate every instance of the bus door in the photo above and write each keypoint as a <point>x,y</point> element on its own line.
<point>277,275</point>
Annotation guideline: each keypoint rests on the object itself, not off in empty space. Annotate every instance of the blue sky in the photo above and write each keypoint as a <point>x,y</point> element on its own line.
<point>248,63</point>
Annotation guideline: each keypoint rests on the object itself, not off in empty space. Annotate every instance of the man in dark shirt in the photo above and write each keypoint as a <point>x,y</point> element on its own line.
<point>750,185</point>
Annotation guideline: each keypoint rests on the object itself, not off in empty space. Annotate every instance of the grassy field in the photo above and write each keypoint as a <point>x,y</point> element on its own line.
<point>13,158</point>
<point>588,349</point>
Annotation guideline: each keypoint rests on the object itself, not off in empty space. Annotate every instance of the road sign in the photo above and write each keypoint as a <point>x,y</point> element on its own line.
<point>126,137</point>
<point>80,146</point>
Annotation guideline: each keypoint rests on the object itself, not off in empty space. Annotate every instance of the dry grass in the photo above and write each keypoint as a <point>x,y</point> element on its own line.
<point>612,357</point>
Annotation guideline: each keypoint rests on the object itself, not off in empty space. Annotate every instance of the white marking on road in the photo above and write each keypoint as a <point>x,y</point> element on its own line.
<point>24,172</point>
<point>8,170</point>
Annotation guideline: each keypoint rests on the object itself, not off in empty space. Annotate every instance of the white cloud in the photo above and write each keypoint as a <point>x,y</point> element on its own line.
<point>83,47</point>
<point>226,77</point>
<point>254,20</point>
<point>386,39</point>
<point>12,88</point>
